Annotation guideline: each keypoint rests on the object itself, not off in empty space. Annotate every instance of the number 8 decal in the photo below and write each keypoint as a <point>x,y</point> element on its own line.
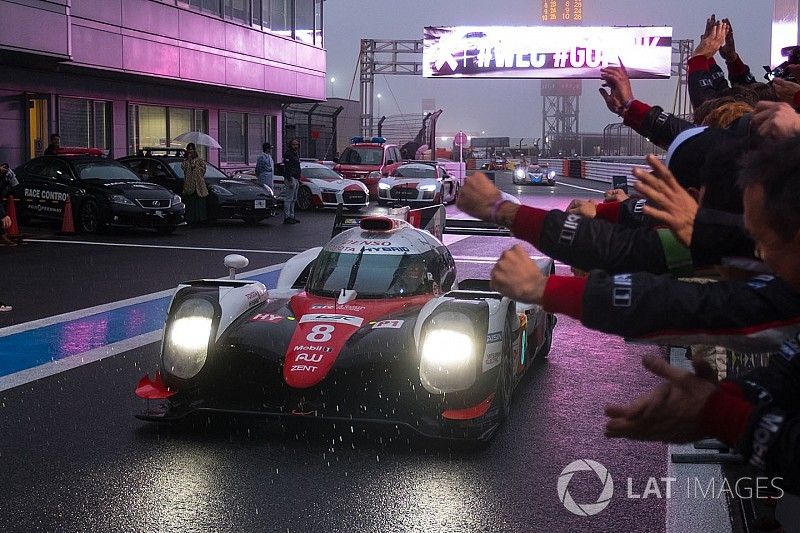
<point>320,333</point>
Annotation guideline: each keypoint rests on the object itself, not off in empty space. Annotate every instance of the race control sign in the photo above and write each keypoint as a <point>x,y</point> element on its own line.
<point>556,52</point>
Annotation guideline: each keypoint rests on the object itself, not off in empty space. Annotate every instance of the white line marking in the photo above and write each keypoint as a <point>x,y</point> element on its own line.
<point>102,308</point>
<point>74,361</point>
<point>579,187</point>
<point>164,247</point>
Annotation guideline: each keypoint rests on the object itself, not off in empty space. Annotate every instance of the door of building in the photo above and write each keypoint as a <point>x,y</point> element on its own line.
<point>38,124</point>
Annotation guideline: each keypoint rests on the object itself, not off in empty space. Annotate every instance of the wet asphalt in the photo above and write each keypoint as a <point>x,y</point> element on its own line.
<point>73,457</point>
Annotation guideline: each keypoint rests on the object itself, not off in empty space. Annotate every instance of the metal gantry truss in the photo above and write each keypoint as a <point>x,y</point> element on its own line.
<point>560,119</point>
<point>396,57</point>
<point>681,52</point>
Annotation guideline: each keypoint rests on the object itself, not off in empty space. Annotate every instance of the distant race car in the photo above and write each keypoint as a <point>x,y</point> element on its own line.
<point>534,175</point>
<point>102,193</point>
<point>372,327</point>
<point>496,163</point>
<point>320,186</point>
<point>418,184</point>
<point>228,197</point>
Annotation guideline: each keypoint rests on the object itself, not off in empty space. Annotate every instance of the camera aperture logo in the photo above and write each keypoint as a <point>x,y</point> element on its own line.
<point>585,509</point>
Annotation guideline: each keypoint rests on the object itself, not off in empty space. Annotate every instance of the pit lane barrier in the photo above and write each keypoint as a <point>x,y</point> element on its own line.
<point>602,170</point>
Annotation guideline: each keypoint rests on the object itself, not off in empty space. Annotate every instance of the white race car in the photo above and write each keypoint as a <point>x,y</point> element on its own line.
<point>417,184</point>
<point>322,187</point>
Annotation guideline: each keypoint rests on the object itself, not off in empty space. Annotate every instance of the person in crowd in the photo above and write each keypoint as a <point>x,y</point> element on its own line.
<point>759,413</point>
<point>291,180</point>
<point>195,190</point>
<point>7,182</point>
<point>55,144</point>
<point>265,166</point>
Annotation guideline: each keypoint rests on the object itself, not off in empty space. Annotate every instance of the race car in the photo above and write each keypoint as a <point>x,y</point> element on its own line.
<point>228,198</point>
<point>101,193</point>
<point>373,328</point>
<point>422,183</point>
<point>321,187</point>
<point>535,174</point>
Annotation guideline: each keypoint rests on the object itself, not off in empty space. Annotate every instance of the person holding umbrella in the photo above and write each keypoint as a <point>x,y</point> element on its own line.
<point>194,185</point>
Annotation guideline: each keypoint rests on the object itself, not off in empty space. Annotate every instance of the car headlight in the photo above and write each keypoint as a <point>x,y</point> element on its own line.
<point>519,173</point>
<point>187,337</point>
<point>427,187</point>
<point>552,174</point>
<point>119,199</point>
<point>220,191</point>
<point>375,175</point>
<point>332,191</point>
<point>447,355</point>
<point>383,185</point>
<point>176,200</point>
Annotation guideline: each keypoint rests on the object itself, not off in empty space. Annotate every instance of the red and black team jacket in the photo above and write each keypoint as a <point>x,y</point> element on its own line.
<point>600,243</point>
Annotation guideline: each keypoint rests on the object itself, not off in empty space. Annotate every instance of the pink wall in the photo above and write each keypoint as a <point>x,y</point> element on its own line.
<point>162,39</point>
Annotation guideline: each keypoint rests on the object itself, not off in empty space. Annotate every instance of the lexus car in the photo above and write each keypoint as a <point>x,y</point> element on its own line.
<point>100,193</point>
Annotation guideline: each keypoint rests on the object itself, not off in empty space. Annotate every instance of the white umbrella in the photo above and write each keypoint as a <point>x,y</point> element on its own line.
<point>197,137</point>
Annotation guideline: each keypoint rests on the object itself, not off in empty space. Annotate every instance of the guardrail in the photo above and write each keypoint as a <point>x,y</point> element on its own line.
<point>603,171</point>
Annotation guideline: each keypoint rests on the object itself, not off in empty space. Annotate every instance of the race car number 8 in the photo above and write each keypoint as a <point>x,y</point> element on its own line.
<point>320,333</point>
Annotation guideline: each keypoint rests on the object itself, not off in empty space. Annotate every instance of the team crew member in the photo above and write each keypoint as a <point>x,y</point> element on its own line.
<point>595,243</point>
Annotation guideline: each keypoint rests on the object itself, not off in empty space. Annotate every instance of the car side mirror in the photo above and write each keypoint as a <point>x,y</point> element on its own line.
<point>390,162</point>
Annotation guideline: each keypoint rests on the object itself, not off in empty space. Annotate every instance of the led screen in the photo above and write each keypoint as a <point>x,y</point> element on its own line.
<point>545,51</point>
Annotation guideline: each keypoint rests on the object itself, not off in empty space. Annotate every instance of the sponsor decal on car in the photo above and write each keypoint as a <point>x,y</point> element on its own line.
<point>266,317</point>
<point>497,336</point>
<point>345,307</point>
<point>491,360</point>
<point>391,324</point>
<point>350,320</point>
<point>46,195</point>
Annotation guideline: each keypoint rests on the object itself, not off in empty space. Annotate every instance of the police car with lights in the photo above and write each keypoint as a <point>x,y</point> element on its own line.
<point>101,192</point>
<point>368,160</point>
<point>374,327</point>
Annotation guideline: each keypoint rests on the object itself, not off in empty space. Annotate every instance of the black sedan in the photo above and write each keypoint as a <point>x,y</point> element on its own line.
<point>228,197</point>
<point>101,193</point>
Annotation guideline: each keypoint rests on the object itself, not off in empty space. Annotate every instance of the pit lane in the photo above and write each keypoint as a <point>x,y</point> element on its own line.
<point>75,459</point>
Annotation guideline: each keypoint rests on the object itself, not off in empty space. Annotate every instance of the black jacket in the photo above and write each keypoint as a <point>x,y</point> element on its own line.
<point>291,162</point>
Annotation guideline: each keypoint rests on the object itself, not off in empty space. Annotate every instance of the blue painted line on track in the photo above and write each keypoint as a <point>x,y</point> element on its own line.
<point>28,349</point>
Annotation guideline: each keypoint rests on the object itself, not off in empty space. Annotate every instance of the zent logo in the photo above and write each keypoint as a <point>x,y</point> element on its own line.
<point>585,509</point>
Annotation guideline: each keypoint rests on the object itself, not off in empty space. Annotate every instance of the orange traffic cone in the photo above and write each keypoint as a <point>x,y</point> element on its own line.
<point>67,223</point>
<point>11,211</point>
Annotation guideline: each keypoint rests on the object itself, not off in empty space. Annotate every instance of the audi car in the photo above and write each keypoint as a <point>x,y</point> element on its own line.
<point>228,198</point>
<point>320,186</point>
<point>418,184</point>
<point>374,327</point>
<point>536,174</point>
<point>100,193</point>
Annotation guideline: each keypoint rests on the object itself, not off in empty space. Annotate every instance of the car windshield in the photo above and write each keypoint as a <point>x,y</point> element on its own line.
<point>376,275</point>
<point>211,171</point>
<point>415,171</point>
<point>320,173</point>
<point>362,155</point>
<point>105,170</point>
